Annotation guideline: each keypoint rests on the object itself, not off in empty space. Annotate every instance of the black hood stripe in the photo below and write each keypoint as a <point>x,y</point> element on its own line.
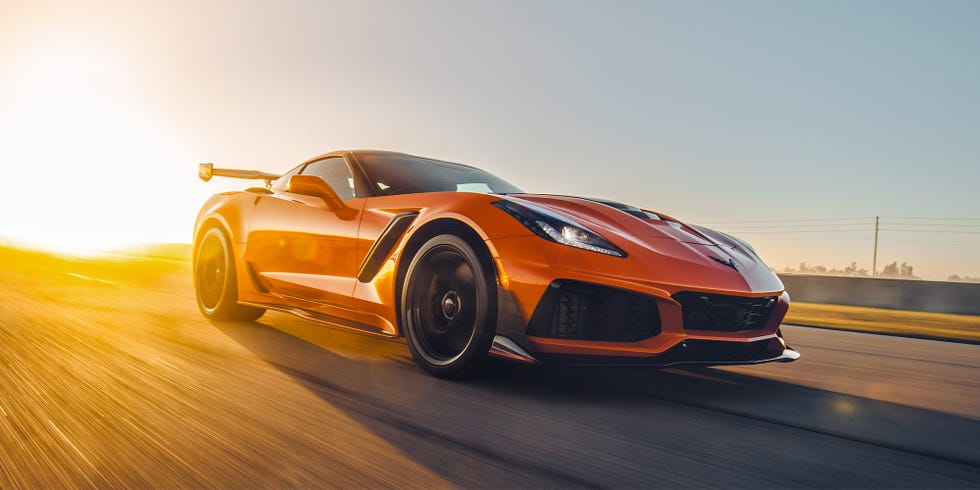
<point>626,208</point>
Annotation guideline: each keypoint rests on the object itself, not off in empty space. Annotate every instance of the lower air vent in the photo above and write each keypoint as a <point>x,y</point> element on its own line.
<point>722,313</point>
<point>581,311</point>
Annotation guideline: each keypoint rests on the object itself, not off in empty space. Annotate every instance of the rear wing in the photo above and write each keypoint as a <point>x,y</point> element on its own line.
<point>206,170</point>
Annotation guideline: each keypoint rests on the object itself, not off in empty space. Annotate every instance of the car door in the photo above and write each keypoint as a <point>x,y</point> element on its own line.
<point>301,250</point>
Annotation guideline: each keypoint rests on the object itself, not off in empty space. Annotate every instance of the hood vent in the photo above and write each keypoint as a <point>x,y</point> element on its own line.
<point>626,208</point>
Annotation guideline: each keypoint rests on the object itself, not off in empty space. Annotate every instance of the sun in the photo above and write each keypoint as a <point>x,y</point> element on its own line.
<point>88,165</point>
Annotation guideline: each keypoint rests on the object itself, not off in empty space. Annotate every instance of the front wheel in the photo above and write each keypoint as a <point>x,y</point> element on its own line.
<point>449,307</point>
<point>215,281</point>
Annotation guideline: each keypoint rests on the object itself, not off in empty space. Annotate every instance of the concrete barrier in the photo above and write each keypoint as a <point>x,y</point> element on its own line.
<point>897,294</point>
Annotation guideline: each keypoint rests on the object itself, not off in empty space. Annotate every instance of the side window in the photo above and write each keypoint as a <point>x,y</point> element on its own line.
<point>336,173</point>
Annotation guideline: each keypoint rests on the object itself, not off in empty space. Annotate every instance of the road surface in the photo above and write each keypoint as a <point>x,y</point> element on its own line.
<point>109,377</point>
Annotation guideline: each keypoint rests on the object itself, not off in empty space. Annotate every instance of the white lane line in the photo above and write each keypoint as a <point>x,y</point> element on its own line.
<point>87,278</point>
<point>62,434</point>
<point>165,292</point>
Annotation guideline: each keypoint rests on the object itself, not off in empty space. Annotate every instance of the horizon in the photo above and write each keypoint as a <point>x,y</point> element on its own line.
<point>183,251</point>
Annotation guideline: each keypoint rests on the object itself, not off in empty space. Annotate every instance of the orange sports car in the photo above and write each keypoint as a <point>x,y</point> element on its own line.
<point>469,268</point>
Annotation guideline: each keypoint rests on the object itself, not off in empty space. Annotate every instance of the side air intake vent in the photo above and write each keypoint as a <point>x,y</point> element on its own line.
<point>582,311</point>
<point>722,313</point>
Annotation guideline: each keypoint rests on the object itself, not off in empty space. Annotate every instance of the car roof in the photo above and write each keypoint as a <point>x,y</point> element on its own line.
<point>357,153</point>
<point>337,153</point>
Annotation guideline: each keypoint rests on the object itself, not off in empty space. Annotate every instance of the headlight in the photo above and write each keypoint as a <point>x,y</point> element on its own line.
<point>559,229</point>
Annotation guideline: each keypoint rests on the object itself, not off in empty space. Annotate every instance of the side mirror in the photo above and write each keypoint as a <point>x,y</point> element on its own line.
<point>311,185</point>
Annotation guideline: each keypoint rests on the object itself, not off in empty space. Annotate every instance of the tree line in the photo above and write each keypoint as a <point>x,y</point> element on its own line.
<point>894,269</point>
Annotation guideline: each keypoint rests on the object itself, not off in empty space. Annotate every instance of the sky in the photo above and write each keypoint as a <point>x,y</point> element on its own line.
<point>791,124</point>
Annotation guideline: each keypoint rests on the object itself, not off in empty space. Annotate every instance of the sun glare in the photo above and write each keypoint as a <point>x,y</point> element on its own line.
<point>74,247</point>
<point>94,164</point>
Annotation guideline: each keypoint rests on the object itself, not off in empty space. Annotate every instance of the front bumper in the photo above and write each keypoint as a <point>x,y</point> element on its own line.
<point>688,352</point>
<point>530,285</point>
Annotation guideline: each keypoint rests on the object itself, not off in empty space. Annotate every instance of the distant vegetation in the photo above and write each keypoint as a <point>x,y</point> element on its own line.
<point>956,278</point>
<point>894,269</point>
<point>851,270</point>
<point>903,271</point>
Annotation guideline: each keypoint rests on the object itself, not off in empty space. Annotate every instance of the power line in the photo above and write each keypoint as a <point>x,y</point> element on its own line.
<point>800,231</point>
<point>934,225</point>
<point>812,239</point>
<point>768,239</point>
<point>868,219</point>
<point>943,234</point>
<point>910,230</point>
<point>821,225</point>
<point>874,261</point>
<point>788,220</point>
<point>941,242</point>
<point>932,218</point>
<point>847,230</point>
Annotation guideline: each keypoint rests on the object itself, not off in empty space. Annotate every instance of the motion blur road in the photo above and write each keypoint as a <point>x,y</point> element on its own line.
<point>110,377</point>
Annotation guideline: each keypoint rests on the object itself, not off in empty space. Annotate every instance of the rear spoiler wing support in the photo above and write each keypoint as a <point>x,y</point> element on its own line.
<point>206,170</point>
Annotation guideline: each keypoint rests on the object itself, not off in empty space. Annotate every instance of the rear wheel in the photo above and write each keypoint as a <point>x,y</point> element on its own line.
<point>215,281</point>
<point>449,308</point>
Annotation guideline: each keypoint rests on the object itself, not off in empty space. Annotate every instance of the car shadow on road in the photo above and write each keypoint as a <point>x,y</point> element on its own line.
<point>501,420</point>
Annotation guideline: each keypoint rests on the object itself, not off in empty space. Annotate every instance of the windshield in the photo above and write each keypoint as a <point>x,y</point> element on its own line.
<point>392,173</point>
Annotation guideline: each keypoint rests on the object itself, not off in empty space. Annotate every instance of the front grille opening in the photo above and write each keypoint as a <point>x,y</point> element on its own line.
<point>581,311</point>
<point>723,313</point>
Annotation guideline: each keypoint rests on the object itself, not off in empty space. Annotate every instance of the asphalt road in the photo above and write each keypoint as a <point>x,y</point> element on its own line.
<point>109,377</point>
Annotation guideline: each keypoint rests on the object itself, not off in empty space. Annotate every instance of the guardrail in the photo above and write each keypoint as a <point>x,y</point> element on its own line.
<point>898,294</point>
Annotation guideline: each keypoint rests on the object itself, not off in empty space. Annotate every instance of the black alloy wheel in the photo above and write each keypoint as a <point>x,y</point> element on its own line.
<point>215,281</point>
<point>449,307</point>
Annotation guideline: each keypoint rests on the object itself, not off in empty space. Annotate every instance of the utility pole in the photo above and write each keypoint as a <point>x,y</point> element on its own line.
<point>874,262</point>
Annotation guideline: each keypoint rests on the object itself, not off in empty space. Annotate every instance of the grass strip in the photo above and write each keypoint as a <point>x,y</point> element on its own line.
<point>919,324</point>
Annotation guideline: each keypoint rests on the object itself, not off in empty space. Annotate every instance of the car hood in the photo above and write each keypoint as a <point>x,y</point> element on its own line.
<point>652,237</point>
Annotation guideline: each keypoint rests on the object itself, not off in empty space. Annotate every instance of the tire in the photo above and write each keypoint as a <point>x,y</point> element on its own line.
<point>215,280</point>
<point>449,308</point>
